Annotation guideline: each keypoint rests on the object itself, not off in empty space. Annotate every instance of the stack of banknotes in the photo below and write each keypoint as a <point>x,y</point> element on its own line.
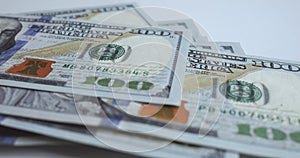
<point>110,78</point>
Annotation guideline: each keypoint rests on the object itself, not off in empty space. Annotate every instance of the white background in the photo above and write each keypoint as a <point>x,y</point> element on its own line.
<point>268,28</point>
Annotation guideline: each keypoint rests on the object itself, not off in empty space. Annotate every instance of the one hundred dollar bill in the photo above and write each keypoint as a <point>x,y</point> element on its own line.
<point>117,14</point>
<point>237,101</point>
<point>92,59</point>
<point>59,107</point>
<point>221,47</point>
<point>198,37</point>
<point>229,47</point>
<point>194,34</point>
<point>132,142</point>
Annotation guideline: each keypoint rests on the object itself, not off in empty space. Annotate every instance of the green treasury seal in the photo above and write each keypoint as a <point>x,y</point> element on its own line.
<point>240,91</point>
<point>107,52</point>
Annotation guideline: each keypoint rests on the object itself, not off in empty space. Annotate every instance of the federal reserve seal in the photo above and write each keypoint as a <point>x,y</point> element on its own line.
<point>109,52</point>
<point>240,91</point>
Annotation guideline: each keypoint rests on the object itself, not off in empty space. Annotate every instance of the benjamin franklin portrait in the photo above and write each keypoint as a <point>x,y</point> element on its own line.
<point>9,28</point>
